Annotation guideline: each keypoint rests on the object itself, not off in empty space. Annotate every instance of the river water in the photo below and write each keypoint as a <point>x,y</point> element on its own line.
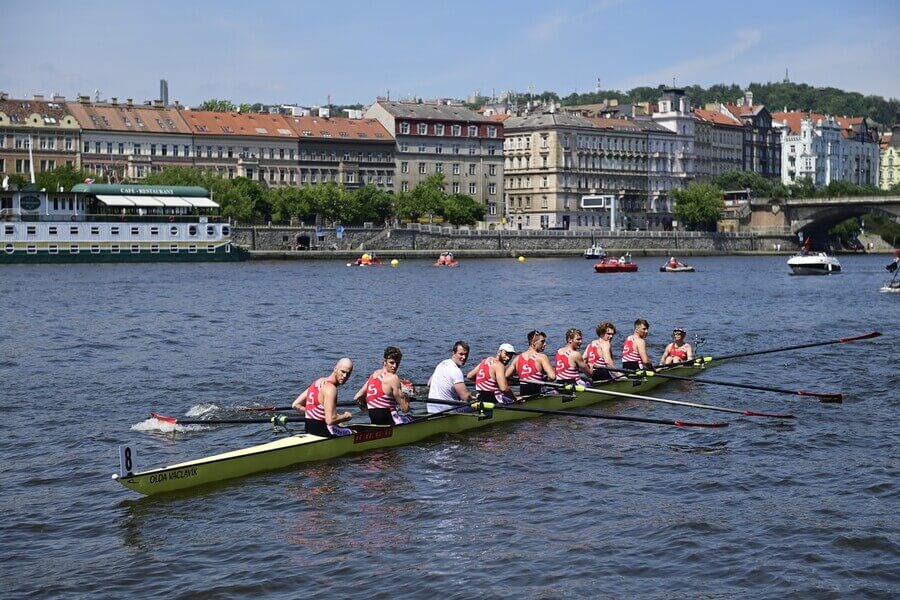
<point>552,507</point>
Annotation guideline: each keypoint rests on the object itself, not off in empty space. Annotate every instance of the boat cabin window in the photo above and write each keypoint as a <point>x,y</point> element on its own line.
<point>53,249</point>
<point>114,230</point>
<point>210,230</point>
<point>73,249</point>
<point>73,230</point>
<point>135,231</point>
<point>31,230</point>
<point>154,231</point>
<point>192,230</point>
<point>10,229</point>
<point>52,231</point>
<point>135,248</point>
<point>10,248</point>
<point>210,249</point>
<point>192,249</point>
<point>154,249</point>
<point>114,249</point>
<point>225,229</point>
<point>95,249</point>
<point>31,249</point>
<point>173,248</point>
<point>173,230</point>
<point>95,230</point>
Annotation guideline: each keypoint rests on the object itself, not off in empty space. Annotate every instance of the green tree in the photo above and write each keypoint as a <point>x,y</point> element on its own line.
<point>370,204</point>
<point>698,205</point>
<point>218,105</point>
<point>63,177</point>
<point>460,209</point>
<point>427,199</point>
<point>328,201</point>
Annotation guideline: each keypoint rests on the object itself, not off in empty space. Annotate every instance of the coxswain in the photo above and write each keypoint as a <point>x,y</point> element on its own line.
<point>491,384</point>
<point>447,381</point>
<point>634,349</point>
<point>598,354</point>
<point>318,402</point>
<point>673,263</point>
<point>678,351</point>
<point>382,394</point>
<point>532,366</point>
<point>568,362</point>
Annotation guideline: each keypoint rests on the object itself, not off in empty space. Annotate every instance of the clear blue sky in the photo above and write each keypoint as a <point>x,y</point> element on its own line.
<point>276,51</point>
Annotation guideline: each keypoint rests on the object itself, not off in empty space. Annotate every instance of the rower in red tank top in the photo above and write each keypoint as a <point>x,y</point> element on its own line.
<point>318,402</point>
<point>491,384</point>
<point>568,360</point>
<point>598,355</point>
<point>678,351</point>
<point>533,366</point>
<point>634,349</point>
<point>383,392</point>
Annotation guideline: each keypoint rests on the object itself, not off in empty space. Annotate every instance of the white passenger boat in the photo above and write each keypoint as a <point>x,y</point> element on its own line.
<point>814,263</point>
<point>595,252</point>
<point>114,223</point>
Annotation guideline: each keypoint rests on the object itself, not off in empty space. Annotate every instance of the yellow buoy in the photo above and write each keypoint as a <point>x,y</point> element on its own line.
<point>521,259</point>
<point>395,262</point>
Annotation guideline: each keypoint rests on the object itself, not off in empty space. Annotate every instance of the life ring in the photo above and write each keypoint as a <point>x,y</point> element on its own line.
<point>215,219</point>
<point>73,217</point>
<point>171,218</point>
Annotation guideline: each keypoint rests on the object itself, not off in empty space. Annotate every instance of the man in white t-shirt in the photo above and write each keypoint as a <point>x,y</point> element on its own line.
<point>447,381</point>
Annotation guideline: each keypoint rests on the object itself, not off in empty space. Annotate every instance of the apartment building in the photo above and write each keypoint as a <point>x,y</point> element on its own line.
<point>46,125</point>
<point>718,143</point>
<point>827,148</point>
<point>439,138</point>
<point>762,139</point>
<point>889,162</point>
<point>125,141</point>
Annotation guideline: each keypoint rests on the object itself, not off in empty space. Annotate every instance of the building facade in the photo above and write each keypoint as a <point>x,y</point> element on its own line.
<point>825,149</point>
<point>762,139</point>
<point>44,130</point>
<point>718,144</point>
<point>466,147</point>
<point>889,162</point>
<point>124,141</point>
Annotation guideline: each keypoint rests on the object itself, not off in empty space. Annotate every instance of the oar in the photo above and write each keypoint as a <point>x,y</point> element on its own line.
<point>737,411</point>
<point>276,420</point>
<point>824,396</point>
<point>857,338</point>
<point>477,406</point>
<point>282,408</point>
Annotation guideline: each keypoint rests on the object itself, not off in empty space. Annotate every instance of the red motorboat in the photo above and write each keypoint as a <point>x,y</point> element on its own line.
<point>616,265</point>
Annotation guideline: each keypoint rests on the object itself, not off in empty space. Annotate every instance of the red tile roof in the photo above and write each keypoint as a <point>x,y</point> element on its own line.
<point>714,116</point>
<point>339,128</point>
<point>207,122</point>
<point>130,118</point>
<point>849,125</point>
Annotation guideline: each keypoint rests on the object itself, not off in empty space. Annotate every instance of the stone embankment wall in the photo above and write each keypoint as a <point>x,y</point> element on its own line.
<point>433,238</point>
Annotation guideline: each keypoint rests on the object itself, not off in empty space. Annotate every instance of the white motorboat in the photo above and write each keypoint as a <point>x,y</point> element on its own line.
<point>595,252</point>
<point>814,263</point>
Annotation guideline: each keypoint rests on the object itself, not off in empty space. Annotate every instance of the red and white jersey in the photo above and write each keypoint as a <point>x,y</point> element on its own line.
<point>484,376</point>
<point>592,356</point>
<point>375,394</point>
<point>629,351</point>
<point>565,366</point>
<point>528,369</point>
<point>314,408</point>
<point>679,353</point>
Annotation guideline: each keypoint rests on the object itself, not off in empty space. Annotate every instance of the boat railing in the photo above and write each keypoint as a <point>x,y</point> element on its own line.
<point>113,217</point>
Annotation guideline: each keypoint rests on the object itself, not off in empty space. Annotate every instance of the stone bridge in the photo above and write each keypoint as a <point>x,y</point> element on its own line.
<point>817,215</point>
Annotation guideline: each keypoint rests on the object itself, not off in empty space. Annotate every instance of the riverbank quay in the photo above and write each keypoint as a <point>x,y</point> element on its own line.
<point>426,240</point>
<point>388,254</point>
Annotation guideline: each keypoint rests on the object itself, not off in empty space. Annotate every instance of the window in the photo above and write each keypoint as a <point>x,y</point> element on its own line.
<point>192,231</point>
<point>135,248</point>
<point>53,249</point>
<point>421,147</point>
<point>210,230</point>
<point>473,130</point>
<point>52,231</point>
<point>135,231</point>
<point>210,249</point>
<point>492,189</point>
<point>457,130</point>
<point>404,167</point>
<point>95,249</point>
<point>114,249</point>
<point>422,168</point>
<point>73,230</point>
<point>31,230</point>
<point>154,249</point>
<point>473,169</point>
<point>492,169</point>
<point>404,128</point>
<point>404,186</point>
<point>439,167</point>
<point>492,132</point>
<point>422,128</point>
<point>173,248</point>
<point>74,249</point>
<point>438,129</point>
<point>473,189</point>
<point>438,148</point>
<point>456,168</point>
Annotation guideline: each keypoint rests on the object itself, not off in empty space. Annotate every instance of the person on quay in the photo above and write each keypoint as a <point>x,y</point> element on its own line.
<point>447,381</point>
<point>318,402</point>
<point>532,366</point>
<point>568,362</point>
<point>679,350</point>
<point>491,384</point>
<point>382,394</point>
<point>598,354</point>
<point>634,349</point>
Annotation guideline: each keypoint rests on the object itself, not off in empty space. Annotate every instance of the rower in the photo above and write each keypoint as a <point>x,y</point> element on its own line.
<point>447,381</point>
<point>568,361</point>
<point>490,377</point>
<point>679,350</point>
<point>634,349</point>
<point>382,393</point>
<point>532,366</point>
<point>598,354</point>
<point>318,402</point>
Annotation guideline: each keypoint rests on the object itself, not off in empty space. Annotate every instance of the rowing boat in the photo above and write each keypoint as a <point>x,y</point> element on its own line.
<point>301,448</point>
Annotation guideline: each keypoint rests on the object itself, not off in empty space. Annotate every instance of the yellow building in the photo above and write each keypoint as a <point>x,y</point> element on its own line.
<point>890,159</point>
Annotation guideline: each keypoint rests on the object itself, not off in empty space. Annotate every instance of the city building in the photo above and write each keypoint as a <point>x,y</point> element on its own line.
<point>762,139</point>
<point>718,143</point>
<point>465,146</point>
<point>127,141</point>
<point>46,125</point>
<point>826,148</point>
<point>889,162</point>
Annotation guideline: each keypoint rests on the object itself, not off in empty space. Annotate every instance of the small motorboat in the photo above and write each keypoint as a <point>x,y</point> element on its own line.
<point>676,266</point>
<point>446,260</point>
<point>366,260</point>
<point>595,252</point>
<point>814,263</point>
<point>616,265</point>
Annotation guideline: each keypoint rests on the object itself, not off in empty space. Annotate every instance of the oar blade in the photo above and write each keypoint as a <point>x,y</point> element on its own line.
<point>163,418</point>
<point>753,413</point>
<point>823,397</point>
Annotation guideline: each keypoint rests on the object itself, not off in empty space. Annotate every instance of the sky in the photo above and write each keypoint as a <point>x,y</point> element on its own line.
<point>354,51</point>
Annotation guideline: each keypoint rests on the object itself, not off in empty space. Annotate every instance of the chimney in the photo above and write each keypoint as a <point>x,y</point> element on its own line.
<point>158,104</point>
<point>38,98</point>
<point>4,96</point>
<point>57,98</point>
<point>84,99</point>
<point>129,102</point>
<point>114,101</point>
